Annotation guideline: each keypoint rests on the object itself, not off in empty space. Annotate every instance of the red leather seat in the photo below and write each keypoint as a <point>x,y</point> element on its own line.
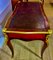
<point>27,17</point>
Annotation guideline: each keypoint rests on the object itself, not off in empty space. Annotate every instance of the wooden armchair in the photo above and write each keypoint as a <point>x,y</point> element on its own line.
<point>28,22</point>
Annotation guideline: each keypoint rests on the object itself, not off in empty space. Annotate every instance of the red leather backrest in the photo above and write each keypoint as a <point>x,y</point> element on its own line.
<point>14,2</point>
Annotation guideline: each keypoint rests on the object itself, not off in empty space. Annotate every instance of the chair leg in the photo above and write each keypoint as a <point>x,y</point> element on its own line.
<point>11,47</point>
<point>43,48</point>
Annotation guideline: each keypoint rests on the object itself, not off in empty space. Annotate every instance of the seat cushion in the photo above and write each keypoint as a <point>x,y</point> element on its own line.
<point>28,16</point>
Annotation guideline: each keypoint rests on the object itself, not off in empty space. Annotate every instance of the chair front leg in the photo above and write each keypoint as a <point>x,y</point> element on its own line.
<point>44,47</point>
<point>11,47</point>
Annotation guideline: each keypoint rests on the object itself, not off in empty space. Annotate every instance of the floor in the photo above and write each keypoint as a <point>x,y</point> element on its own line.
<point>30,50</point>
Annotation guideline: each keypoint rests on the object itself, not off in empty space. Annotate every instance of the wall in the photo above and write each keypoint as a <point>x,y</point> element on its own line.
<point>5,7</point>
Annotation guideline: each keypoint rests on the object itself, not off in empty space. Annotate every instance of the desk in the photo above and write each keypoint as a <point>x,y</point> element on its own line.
<point>28,22</point>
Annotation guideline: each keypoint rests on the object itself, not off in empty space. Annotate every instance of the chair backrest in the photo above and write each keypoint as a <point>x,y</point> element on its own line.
<point>14,2</point>
<point>28,15</point>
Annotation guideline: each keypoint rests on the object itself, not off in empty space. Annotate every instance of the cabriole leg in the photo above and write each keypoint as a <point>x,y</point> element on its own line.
<point>11,47</point>
<point>44,47</point>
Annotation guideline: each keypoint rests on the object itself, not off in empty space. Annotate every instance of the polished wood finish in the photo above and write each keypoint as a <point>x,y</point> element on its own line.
<point>28,22</point>
<point>14,2</point>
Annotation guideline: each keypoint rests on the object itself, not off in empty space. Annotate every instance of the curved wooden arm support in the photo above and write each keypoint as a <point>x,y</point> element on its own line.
<point>42,2</point>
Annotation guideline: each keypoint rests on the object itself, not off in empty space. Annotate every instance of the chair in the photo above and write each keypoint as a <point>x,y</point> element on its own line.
<point>28,22</point>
